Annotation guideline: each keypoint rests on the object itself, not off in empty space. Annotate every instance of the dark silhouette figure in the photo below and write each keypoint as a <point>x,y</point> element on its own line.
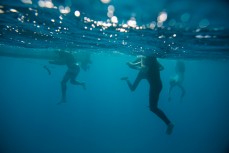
<point>149,69</point>
<point>67,58</point>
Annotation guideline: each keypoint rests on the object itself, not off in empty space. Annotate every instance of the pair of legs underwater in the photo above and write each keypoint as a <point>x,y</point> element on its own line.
<point>149,69</point>
<point>69,59</point>
<point>154,93</point>
<point>71,75</point>
<point>179,85</point>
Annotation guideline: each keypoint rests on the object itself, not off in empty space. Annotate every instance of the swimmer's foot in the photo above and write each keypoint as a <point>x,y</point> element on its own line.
<point>169,130</point>
<point>124,78</point>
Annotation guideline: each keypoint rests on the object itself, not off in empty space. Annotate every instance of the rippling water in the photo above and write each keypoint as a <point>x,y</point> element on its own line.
<point>169,29</point>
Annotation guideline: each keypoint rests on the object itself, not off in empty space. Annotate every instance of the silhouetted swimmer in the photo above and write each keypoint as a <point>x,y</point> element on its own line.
<point>149,69</point>
<point>67,58</point>
<point>177,79</point>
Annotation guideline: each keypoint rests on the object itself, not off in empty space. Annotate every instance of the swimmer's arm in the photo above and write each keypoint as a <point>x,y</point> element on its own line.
<point>135,64</point>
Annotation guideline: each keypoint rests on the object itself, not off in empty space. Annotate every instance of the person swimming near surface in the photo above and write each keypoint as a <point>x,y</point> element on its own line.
<point>149,69</point>
<point>67,58</point>
<point>177,79</point>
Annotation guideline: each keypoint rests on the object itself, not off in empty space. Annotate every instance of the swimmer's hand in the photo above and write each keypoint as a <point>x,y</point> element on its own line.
<point>136,66</point>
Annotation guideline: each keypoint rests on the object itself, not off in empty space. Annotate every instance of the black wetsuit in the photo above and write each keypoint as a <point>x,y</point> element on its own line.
<point>72,72</point>
<point>154,79</point>
<point>152,74</point>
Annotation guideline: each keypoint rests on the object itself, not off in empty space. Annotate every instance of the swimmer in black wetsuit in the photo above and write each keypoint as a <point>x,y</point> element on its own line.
<point>149,69</point>
<point>178,79</point>
<point>67,58</point>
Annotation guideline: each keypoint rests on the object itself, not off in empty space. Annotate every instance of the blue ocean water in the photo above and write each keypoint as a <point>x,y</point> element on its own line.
<point>107,117</point>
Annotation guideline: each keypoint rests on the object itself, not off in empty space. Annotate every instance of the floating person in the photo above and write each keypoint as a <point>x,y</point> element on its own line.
<point>67,58</point>
<point>149,69</point>
<point>177,79</point>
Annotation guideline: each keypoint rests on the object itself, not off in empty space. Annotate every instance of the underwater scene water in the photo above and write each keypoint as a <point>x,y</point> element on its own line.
<point>106,116</point>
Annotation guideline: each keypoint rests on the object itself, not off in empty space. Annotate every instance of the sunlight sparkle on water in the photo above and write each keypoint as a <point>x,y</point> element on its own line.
<point>124,25</point>
<point>132,22</point>
<point>114,19</point>
<point>203,37</point>
<point>1,11</point>
<point>13,10</point>
<point>110,14</point>
<point>26,1</point>
<point>87,20</point>
<point>162,17</point>
<point>105,1</point>
<point>64,10</point>
<point>45,3</point>
<point>159,24</point>
<point>121,30</point>
<point>152,25</point>
<point>77,13</point>
<point>111,8</point>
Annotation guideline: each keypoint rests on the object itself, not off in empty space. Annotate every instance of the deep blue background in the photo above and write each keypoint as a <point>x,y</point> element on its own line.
<point>108,117</point>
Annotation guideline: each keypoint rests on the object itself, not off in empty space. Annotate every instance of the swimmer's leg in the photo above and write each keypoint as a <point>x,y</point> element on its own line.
<point>136,82</point>
<point>64,87</point>
<point>183,92</point>
<point>153,101</point>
